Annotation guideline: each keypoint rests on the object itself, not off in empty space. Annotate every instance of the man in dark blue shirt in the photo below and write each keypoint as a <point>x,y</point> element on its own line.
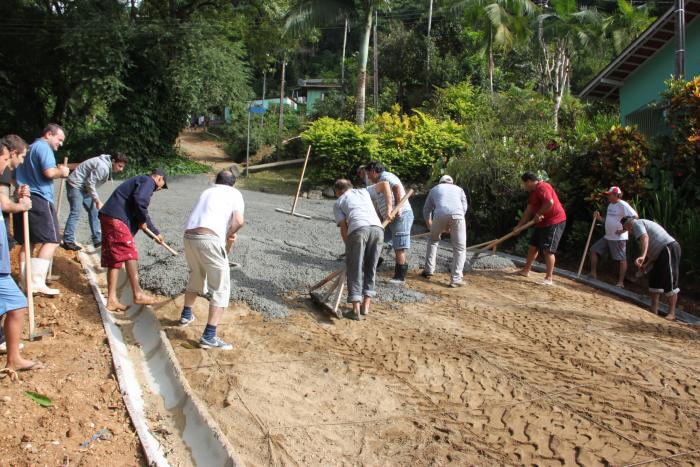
<point>124,213</point>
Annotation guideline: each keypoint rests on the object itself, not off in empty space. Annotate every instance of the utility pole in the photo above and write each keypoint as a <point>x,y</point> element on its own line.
<point>376,65</point>
<point>281,122</point>
<point>262,118</point>
<point>680,39</point>
<point>342,63</point>
<point>427,61</point>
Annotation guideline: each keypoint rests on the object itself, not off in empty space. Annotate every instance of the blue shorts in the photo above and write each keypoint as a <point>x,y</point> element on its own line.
<point>11,298</point>
<point>398,232</point>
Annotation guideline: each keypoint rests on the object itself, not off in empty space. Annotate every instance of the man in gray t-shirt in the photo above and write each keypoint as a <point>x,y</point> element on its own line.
<point>362,233</point>
<point>660,256</point>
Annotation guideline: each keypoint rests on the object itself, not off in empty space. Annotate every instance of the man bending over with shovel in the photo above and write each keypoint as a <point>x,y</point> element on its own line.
<point>363,235</point>
<point>124,213</point>
<point>210,231</point>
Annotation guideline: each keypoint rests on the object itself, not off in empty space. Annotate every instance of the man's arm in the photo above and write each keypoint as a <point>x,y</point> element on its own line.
<point>344,230</point>
<point>142,199</point>
<point>237,221</point>
<point>398,191</point>
<point>91,187</point>
<point>428,208</point>
<point>384,189</point>
<point>644,245</point>
<point>7,205</point>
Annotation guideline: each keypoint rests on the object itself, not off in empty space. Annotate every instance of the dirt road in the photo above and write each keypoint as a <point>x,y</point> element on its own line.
<point>500,372</point>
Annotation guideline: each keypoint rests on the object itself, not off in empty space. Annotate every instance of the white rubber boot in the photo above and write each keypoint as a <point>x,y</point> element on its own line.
<point>22,275</point>
<point>40,268</point>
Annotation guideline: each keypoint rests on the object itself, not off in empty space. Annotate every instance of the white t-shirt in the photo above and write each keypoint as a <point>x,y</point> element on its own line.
<point>393,180</point>
<point>616,211</point>
<point>356,207</point>
<point>215,208</point>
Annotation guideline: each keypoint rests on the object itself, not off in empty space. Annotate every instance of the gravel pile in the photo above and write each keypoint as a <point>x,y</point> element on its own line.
<point>278,253</point>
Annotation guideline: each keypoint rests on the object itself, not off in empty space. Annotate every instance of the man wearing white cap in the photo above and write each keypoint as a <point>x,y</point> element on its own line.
<point>615,240</point>
<point>444,210</point>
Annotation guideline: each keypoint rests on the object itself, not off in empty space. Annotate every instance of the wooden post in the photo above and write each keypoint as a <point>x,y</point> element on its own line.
<point>296,197</point>
<point>28,272</point>
<point>585,250</point>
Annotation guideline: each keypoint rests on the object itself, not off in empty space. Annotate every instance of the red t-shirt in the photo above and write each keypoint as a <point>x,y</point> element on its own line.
<point>543,192</point>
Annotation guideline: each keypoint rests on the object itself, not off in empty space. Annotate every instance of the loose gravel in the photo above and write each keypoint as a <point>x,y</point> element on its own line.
<point>278,253</point>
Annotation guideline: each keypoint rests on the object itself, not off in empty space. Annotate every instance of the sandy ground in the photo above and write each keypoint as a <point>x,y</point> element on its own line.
<point>78,378</point>
<point>500,372</point>
<point>204,148</point>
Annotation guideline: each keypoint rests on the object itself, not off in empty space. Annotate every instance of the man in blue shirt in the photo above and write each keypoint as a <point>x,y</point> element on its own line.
<point>124,213</point>
<point>38,171</point>
<point>13,304</point>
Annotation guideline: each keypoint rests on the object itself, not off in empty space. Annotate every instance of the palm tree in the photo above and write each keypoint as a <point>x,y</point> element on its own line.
<point>566,29</point>
<point>504,22</point>
<point>305,14</point>
<point>628,22</point>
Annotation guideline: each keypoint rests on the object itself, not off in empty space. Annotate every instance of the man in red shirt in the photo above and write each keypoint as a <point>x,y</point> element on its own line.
<point>544,207</point>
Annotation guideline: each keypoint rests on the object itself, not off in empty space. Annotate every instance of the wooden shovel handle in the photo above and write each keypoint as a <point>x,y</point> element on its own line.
<point>155,237</point>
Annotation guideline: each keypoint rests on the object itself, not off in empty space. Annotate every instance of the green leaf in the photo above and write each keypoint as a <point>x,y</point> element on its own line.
<point>39,398</point>
<point>188,346</point>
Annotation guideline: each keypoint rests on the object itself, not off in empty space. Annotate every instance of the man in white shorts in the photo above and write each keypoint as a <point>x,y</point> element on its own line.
<point>210,229</point>
<point>615,240</point>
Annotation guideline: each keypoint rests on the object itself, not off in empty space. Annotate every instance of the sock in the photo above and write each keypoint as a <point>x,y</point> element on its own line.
<point>209,332</point>
<point>186,312</point>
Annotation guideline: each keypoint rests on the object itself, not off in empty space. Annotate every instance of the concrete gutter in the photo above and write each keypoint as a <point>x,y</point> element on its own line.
<point>154,369</point>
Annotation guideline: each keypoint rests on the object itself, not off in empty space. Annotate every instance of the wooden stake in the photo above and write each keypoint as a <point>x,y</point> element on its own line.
<point>585,250</point>
<point>155,237</point>
<point>28,272</point>
<point>296,197</point>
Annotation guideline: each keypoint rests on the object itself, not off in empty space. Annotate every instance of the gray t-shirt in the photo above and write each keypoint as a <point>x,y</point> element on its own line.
<point>378,200</point>
<point>658,237</point>
<point>355,206</point>
<point>445,199</point>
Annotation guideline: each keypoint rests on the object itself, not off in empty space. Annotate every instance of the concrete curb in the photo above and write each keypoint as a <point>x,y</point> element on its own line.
<point>198,430</point>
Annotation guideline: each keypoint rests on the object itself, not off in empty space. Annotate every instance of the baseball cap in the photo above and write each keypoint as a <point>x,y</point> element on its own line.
<point>446,179</point>
<point>614,190</point>
<point>161,172</point>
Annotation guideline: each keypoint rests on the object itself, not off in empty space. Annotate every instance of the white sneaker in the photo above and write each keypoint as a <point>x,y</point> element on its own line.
<point>214,343</point>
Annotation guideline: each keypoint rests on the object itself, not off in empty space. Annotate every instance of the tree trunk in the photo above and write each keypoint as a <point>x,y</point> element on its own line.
<point>491,64</point>
<point>262,117</point>
<point>362,72</point>
<point>281,121</point>
<point>342,62</point>
<point>375,67</point>
<point>427,52</point>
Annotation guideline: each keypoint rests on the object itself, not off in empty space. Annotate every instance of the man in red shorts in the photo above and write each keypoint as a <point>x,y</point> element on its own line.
<point>544,207</point>
<point>124,213</point>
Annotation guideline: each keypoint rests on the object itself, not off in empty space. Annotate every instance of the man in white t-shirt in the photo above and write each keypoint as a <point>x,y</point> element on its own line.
<point>615,240</point>
<point>209,232</point>
<point>362,234</point>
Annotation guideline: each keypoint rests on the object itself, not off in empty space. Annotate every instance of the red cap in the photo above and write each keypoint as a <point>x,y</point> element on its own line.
<point>614,190</point>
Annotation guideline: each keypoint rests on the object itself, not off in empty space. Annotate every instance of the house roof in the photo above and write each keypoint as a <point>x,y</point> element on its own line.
<point>606,86</point>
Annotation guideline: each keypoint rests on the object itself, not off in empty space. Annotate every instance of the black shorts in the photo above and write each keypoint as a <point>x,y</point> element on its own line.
<point>547,238</point>
<point>43,223</point>
<point>663,277</point>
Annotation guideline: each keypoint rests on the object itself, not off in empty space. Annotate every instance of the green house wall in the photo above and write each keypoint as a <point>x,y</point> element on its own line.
<point>647,82</point>
<point>313,95</point>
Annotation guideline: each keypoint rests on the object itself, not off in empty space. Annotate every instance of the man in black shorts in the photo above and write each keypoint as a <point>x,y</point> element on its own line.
<point>544,207</point>
<point>661,257</point>
<point>39,170</point>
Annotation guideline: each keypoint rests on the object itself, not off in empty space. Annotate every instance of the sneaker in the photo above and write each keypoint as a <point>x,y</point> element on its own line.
<point>456,285</point>
<point>3,347</point>
<point>185,321</point>
<point>426,274</point>
<point>214,343</point>
<point>70,246</point>
<point>97,244</point>
<point>546,282</point>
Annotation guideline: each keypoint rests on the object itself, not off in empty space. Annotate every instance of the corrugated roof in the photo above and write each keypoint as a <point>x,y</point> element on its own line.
<point>606,86</point>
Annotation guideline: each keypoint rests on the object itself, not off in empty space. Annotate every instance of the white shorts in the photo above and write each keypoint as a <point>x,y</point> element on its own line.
<point>209,269</point>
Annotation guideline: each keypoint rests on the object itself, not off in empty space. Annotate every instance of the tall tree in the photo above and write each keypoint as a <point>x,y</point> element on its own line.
<point>316,13</point>
<point>504,22</point>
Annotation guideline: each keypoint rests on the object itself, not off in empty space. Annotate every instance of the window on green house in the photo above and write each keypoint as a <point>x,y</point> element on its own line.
<point>648,120</point>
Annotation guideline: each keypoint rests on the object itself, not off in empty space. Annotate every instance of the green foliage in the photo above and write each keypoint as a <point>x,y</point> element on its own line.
<point>173,165</point>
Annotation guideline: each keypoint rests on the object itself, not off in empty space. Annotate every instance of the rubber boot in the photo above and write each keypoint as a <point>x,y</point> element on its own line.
<point>400,271</point>
<point>22,275</point>
<point>40,269</point>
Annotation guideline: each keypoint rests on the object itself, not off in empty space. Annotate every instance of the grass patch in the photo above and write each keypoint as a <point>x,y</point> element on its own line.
<point>281,181</point>
<point>171,165</point>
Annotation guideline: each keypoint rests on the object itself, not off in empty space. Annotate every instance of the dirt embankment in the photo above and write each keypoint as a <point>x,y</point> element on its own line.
<point>79,380</point>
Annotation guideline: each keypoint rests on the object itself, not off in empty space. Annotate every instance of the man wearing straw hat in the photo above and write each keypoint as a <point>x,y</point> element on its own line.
<point>124,213</point>
<point>444,210</point>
